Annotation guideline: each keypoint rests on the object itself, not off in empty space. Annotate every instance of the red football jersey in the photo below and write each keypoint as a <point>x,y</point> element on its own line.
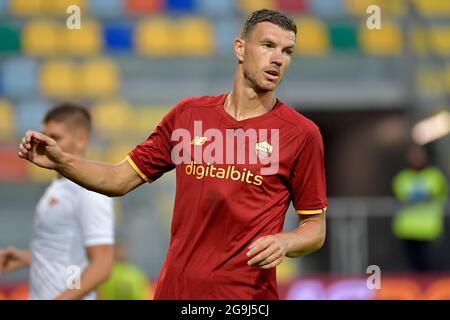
<point>223,204</point>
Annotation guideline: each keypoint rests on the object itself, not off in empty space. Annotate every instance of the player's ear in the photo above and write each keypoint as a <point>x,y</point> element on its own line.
<point>239,48</point>
<point>82,138</point>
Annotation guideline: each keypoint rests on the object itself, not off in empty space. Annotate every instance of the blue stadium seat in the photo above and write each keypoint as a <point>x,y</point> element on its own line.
<point>29,114</point>
<point>184,6</point>
<point>327,7</point>
<point>118,37</point>
<point>225,31</point>
<point>223,8</point>
<point>19,77</point>
<point>106,8</point>
<point>4,7</point>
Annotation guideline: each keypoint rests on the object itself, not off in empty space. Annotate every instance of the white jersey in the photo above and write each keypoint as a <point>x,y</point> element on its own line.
<point>68,219</point>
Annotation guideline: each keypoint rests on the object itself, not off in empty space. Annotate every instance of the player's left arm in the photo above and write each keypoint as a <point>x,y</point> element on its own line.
<point>101,258</point>
<point>269,251</point>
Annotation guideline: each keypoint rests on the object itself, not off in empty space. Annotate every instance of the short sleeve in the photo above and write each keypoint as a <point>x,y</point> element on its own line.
<point>96,219</point>
<point>308,182</point>
<point>152,158</point>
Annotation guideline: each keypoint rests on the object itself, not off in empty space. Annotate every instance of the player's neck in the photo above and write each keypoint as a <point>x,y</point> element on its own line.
<point>244,102</point>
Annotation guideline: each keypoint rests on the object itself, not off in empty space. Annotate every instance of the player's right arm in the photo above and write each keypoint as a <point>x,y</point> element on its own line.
<point>12,259</point>
<point>108,179</point>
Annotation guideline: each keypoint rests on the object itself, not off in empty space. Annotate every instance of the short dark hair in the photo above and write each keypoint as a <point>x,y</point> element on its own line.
<point>73,114</point>
<point>266,15</point>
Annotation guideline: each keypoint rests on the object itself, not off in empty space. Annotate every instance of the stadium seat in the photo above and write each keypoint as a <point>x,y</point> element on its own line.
<point>7,129</point>
<point>447,77</point>
<point>87,40</point>
<point>59,7</point>
<point>41,38</point>
<point>29,114</point>
<point>439,290</point>
<point>20,292</point>
<point>181,6</point>
<point>4,7</point>
<point>146,118</point>
<point>399,289</point>
<point>429,82</point>
<point>139,7</point>
<point>432,8</point>
<point>388,7</point>
<point>26,7</point>
<point>225,31</point>
<point>12,168</point>
<point>312,37</point>
<point>155,37</point>
<point>19,77</point>
<point>248,6</point>
<point>343,36</point>
<point>2,295</point>
<point>118,37</point>
<point>38,175</point>
<point>292,6</point>
<point>195,37</point>
<point>111,117</point>
<point>106,8</point>
<point>381,42</point>
<point>58,79</point>
<point>117,153</point>
<point>327,8</point>
<point>419,42</point>
<point>440,40</point>
<point>216,8</point>
<point>98,78</point>
<point>10,36</point>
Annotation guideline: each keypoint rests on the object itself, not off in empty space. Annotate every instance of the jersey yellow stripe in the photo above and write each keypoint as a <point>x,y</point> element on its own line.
<point>135,167</point>
<point>323,210</point>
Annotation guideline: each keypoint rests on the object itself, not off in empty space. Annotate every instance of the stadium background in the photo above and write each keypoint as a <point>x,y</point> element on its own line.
<point>132,59</point>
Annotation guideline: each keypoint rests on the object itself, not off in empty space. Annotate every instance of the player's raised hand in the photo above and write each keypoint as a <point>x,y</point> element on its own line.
<point>267,252</point>
<point>40,150</point>
<point>11,259</point>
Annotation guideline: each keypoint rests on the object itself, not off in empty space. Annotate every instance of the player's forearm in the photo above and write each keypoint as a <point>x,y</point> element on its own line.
<point>307,238</point>
<point>94,275</point>
<point>26,254</point>
<point>95,176</point>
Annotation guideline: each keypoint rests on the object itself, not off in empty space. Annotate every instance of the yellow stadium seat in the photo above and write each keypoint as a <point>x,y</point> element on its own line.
<point>84,41</point>
<point>145,119</point>
<point>58,79</point>
<point>94,153</point>
<point>419,42</point>
<point>389,7</point>
<point>112,117</point>
<point>59,7</point>
<point>433,7</point>
<point>41,38</point>
<point>381,42</point>
<point>26,7</point>
<point>38,174</point>
<point>156,37</point>
<point>447,77</point>
<point>7,120</point>
<point>312,37</point>
<point>429,82</point>
<point>248,6</point>
<point>195,37</point>
<point>118,153</point>
<point>440,40</point>
<point>98,78</point>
